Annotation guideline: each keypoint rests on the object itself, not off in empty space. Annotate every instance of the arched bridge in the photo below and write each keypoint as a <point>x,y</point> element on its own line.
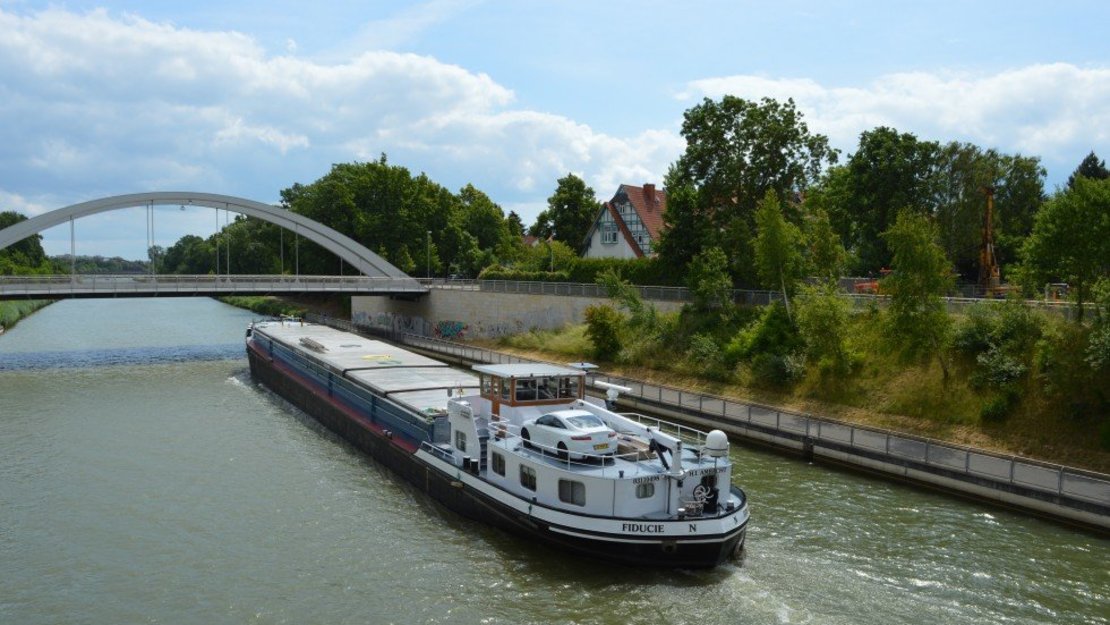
<point>378,275</point>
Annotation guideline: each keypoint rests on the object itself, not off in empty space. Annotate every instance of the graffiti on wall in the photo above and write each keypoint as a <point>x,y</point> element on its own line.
<point>450,330</point>
<point>394,322</point>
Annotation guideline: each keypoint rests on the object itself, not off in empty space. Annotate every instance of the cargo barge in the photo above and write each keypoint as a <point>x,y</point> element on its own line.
<point>519,446</point>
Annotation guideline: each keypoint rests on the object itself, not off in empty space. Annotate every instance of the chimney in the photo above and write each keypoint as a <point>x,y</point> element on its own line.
<point>649,196</point>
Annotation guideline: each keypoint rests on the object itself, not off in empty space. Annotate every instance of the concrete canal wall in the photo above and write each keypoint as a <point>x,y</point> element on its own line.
<point>469,312</point>
<point>1055,491</point>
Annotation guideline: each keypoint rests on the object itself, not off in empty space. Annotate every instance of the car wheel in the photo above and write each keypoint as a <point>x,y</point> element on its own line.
<point>562,450</point>
<point>527,437</point>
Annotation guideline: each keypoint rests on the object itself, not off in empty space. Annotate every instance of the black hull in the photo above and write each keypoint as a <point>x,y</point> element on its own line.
<point>399,456</point>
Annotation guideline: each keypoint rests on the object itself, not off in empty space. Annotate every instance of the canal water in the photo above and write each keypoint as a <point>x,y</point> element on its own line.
<point>144,478</point>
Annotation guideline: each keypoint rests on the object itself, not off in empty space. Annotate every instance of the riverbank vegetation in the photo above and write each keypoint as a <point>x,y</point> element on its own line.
<point>1018,381</point>
<point>14,310</point>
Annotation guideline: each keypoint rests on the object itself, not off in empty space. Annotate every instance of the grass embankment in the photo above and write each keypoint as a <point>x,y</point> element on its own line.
<point>335,306</point>
<point>12,311</point>
<point>882,391</point>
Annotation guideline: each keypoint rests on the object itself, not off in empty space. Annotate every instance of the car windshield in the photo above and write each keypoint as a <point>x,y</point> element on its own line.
<point>585,421</point>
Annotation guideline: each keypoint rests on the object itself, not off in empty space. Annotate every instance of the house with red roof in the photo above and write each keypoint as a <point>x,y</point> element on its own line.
<point>628,225</point>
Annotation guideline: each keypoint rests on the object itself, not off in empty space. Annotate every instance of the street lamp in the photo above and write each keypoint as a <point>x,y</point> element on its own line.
<point>429,255</point>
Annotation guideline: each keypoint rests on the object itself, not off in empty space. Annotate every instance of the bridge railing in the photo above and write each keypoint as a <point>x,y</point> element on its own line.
<point>122,284</point>
<point>750,297</point>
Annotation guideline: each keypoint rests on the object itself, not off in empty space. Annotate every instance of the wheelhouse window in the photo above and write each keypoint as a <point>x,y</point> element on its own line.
<point>645,491</point>
<point>460,440</point>
<point>505,388</point>
<point>568,388</point>
<point>487,386</point>
<point>527,477</point>
<point>546,389</point>
<point>572,492</point>
<point>498,464</point>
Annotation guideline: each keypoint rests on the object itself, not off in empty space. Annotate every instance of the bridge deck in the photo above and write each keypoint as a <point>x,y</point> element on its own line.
<point>146,285</point>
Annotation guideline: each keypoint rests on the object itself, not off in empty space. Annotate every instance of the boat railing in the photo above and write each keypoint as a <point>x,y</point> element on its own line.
<point>686,434</point>
<point>511,432</point>
<point>437,451</point>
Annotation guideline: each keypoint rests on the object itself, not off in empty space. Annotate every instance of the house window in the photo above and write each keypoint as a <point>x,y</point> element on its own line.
<point>609,232</point>
<point>460,440</point>
<point>645,491</point>
<point>572,492</point>
<point>498,464</point>
<point>528,477</point>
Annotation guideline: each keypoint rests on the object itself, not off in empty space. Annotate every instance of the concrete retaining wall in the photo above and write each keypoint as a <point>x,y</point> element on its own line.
<point>461,313</point>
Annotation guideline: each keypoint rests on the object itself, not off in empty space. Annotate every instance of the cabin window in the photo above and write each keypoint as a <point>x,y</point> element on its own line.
<point>487,386</point>
<point>460,440</point>
<point>546,388</point>
<point>526,390</point>
<point>645,491</point>
<point>572,492</point>
<point>568,388</point>
<point>505,385</point>
<point>498,464</point>
<point>527,477</point>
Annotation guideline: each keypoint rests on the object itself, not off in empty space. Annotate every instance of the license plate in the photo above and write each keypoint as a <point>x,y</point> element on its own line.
<point>601,446</point>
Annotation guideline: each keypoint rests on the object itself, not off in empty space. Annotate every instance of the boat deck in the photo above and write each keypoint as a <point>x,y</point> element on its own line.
<point>417,382</point>
<point>596,466</point>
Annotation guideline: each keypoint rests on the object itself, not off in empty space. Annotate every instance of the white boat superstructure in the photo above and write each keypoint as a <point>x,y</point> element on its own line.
<point>659,470</point>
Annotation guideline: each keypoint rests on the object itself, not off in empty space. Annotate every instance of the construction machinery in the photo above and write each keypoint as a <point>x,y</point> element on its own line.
<point>990,274</point>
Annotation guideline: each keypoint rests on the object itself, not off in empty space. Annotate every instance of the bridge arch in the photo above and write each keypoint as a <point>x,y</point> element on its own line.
<point>352,252</point>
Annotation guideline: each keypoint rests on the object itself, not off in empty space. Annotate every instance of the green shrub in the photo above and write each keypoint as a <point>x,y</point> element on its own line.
<point>496,272</point>
<point>997,369</point>
<point>998,407</point>
<point>777,369</point>
<point>771,333</point>
<point>704,351</point>
<point>974,334</point>
<point>264,305</point>
<point>603,325</point>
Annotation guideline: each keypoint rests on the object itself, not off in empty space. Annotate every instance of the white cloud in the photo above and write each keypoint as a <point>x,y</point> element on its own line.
<point>20,204</point>
<point>109,105</point>
<point>408,24</point>
<point>1057,111</point>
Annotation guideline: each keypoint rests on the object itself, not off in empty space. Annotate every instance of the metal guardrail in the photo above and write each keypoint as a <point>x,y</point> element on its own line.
<point>172,284</point>
<point>971,463</point>
<point>751,297</point>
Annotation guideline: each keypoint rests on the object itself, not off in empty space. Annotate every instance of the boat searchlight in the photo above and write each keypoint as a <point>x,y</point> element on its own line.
<point>612,393</point>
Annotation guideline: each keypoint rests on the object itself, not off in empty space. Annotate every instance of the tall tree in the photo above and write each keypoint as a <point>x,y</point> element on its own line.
<point>1071,239</point>
<point>736,152</point>
<point>963,172</point>
<point>572,209</point>
<point>26,256</point>
<point>1091,167</point>
<point>826,254</point>
<point>708,280</point>
<point>889,171</point>
<point>918,320</point>
<point>778,256</point>
<point>515,225</point>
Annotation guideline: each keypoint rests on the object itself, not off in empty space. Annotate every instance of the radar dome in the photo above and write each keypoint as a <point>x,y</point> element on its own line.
<point>716,444</point>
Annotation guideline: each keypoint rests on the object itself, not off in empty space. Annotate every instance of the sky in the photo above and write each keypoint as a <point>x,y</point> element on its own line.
<point>247,98</point>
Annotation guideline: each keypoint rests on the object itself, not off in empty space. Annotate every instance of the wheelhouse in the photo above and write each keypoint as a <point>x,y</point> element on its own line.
<point>530,384</point>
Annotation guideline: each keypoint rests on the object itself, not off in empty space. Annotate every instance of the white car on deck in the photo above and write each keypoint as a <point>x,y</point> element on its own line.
<point>577,433</point>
